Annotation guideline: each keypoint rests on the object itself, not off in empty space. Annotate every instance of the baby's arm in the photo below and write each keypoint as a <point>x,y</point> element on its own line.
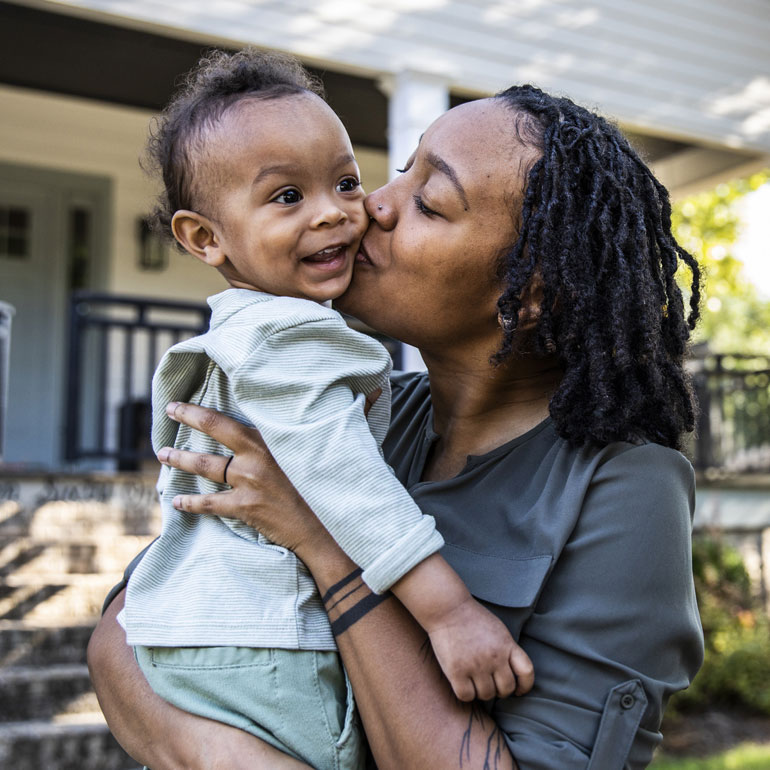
<point>475,650</point>
<point>297,389</point>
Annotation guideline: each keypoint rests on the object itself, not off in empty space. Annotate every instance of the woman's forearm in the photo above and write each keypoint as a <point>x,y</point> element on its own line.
<point>411,717</point>
<point>153,731</point>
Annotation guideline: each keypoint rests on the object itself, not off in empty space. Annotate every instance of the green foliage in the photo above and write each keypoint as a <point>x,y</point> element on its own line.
<point>736,319</point>
<point>736,669</point>
<point>747,756</point>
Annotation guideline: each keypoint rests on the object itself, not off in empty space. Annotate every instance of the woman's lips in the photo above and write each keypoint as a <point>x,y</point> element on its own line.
<point>362,258</point>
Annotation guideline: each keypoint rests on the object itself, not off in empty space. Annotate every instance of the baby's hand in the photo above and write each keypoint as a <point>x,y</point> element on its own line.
<point>478,655</point>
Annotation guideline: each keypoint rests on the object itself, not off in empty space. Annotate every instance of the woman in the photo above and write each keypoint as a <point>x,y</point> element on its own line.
<point>526,250</point>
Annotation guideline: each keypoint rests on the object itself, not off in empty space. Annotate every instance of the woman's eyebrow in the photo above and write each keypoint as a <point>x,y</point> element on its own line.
<point>441,165</point>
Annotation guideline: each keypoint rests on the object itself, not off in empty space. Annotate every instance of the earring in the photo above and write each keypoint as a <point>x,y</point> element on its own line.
<point>506,322</point>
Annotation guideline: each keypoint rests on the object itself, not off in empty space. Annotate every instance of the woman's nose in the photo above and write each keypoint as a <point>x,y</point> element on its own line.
<point>380,208</point>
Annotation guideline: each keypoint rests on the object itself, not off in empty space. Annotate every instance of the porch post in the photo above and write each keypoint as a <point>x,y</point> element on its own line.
<point>416,99</point>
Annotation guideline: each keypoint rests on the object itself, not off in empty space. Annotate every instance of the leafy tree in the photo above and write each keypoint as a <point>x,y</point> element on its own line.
<point>735,317</point>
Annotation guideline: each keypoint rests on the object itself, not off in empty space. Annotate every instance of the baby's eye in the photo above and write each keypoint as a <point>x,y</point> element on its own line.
<point>288,197</point>
<point>348,184</point>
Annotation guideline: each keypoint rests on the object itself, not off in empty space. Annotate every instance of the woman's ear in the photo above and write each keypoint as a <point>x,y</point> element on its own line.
<point>197,236</point>
<point>531,300</point>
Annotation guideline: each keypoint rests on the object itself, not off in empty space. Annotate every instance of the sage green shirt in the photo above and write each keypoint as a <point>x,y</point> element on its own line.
<point>296,371</point>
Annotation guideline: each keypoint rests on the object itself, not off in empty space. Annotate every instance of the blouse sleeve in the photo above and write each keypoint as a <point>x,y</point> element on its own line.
<point>616,629</point>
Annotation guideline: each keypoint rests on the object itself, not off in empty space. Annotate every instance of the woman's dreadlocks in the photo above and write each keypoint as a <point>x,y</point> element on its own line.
<point>595,234</point>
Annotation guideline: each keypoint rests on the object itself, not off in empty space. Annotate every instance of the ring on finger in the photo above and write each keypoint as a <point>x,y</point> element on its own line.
<point>227,465</point>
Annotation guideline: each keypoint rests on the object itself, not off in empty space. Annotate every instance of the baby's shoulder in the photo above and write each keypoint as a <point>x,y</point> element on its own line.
<point>276,313</point>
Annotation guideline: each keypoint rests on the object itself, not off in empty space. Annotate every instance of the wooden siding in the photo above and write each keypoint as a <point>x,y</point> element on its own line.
<point>691,69</point>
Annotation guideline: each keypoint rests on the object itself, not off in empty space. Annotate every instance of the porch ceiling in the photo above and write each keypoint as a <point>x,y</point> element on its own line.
<point>119,63</point>
<point>69,55</point>
<point>695,69</point>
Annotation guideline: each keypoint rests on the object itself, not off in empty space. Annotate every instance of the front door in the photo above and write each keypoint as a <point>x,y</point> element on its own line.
<point>48,235</point>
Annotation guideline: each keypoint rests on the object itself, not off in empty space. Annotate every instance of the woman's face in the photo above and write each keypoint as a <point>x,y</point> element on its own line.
<point>427,271</point>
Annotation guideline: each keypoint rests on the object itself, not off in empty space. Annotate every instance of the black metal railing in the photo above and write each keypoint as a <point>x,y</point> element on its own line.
<point>115,343</point>
<point>733,430</point>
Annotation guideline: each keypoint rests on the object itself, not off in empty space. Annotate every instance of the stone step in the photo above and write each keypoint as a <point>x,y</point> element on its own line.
<point>84,555</point>
<point>35,693</point>
<point>66,599</point>
<point>22,644</point>
<point>77,745</point>
<point>68,520</point>
<point>65,506</point>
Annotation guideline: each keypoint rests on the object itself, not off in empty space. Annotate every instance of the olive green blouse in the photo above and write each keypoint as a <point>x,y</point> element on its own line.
<point>584,553</point>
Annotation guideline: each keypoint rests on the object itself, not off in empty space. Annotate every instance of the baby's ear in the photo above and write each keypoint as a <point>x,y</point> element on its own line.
<point>197,236</point>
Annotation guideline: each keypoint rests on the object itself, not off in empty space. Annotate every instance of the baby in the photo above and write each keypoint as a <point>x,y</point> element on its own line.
<point>261,184</point>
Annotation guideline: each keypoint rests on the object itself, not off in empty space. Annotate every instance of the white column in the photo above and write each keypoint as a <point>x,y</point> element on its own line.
<point>416,99</point>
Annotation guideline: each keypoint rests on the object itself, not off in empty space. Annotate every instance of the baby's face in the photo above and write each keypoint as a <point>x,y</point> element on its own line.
<point>289,212</point>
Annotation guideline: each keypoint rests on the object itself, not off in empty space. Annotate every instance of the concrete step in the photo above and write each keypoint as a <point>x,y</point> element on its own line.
<point>66,599</point>
<point>23,644</point>
<point>83,744</point>
<point>60,519</point>
<point>75,505</point>
<point>35,693</point>
<point>85,555</point>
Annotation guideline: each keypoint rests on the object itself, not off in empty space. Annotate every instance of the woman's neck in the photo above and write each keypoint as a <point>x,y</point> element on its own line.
<point>478,408</point>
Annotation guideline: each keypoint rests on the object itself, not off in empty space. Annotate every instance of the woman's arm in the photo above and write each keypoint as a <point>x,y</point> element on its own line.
<point>411,717</point>
<point>153,731</point>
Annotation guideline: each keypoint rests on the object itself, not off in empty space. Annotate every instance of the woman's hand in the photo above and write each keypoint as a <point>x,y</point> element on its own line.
<point>261,495</point>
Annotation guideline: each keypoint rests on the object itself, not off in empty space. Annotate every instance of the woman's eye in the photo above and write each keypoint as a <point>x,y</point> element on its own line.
<point>288,197</point>
<point>422,208</point>
<point>349,184</point>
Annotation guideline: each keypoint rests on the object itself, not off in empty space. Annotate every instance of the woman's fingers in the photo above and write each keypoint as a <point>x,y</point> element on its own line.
<point>225,430</point>
<point>217,504</point>
<point>211,467</point>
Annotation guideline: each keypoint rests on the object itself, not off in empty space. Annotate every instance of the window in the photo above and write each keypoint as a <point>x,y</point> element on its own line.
<point>79,246</point>
<point>15,230</point>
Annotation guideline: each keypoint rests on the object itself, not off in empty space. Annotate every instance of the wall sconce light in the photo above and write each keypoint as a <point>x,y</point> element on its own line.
<point>153,252</point>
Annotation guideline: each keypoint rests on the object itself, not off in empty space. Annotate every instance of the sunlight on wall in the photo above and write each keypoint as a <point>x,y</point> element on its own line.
<point>753,245</point>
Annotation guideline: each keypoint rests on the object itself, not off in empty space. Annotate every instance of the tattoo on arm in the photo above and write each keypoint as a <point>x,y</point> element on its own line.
<point>341,584</point>
<point>344,608</point>
<point>495,743</point>
<point>345,596</point>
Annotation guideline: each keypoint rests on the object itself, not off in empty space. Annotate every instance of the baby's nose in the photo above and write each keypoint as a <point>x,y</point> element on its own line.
<point>329,214</point>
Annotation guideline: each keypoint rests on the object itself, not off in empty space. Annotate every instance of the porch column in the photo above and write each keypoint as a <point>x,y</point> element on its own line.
<point>416,99</point>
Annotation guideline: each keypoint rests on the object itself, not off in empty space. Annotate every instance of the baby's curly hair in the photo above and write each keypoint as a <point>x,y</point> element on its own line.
<point>595,233</point>
<point>177,138</point>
